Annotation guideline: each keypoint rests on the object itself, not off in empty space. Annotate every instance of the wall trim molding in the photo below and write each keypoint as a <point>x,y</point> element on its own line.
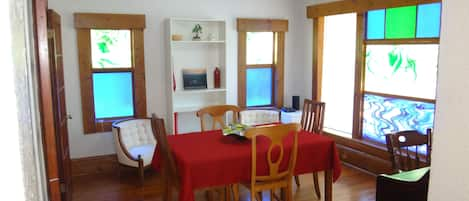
<point>104,164</point>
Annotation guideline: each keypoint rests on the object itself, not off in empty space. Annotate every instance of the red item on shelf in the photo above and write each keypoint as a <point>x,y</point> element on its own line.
<point>216,75</point>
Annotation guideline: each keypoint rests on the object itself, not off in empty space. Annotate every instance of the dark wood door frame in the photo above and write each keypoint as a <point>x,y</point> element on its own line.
<point>46,99</point>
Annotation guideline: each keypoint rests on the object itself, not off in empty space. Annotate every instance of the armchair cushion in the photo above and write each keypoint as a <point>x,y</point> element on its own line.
<point>145,151</point>
<point>259,117</point>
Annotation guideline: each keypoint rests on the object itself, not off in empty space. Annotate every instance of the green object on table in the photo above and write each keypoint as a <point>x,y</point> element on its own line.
<point>409,176</point>
<point>235,129</point>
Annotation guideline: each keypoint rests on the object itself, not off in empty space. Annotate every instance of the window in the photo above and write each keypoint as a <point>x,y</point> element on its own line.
<point>261,62</point>
<point>112,71</point>
<point>378,70</point>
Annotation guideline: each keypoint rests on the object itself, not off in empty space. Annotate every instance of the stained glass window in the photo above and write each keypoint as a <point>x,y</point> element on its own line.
<point>400,22</point>
<point>422,21</point>
<point>428,20</point>
<point>338,75</point>
<point>259,47</point>
<point>383,115</point>
<point>259,86</point>
<point>111,48</point>
<point>405,70</point>
<point>375,24</point>
<point>113,95</point>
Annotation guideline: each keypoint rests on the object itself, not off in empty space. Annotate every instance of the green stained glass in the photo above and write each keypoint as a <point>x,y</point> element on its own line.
<point>401,22</point>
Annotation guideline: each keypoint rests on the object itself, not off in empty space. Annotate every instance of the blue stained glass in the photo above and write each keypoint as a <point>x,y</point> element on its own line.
<point>375,24</point>
<point>113,95</point>
<point>383,115</point>
<point>428,20</point>
<point>258,87</point>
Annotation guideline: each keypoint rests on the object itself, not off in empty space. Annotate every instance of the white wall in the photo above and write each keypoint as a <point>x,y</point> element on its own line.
<point>449,179</point>
<point>157,11</point>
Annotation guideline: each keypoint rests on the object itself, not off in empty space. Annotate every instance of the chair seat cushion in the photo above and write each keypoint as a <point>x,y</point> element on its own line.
<point>145,151</point>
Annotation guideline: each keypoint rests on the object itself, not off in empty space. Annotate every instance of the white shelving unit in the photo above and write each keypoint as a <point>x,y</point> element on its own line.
<point>208,53</point>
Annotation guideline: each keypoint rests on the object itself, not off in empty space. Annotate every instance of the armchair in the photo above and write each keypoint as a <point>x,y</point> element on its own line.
<point>135,143</point>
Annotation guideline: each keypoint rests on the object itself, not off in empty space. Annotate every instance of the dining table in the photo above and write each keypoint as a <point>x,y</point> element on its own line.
<point>209,159</point>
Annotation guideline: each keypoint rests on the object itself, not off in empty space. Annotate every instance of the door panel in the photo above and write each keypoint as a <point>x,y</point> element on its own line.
<point>59,102</point>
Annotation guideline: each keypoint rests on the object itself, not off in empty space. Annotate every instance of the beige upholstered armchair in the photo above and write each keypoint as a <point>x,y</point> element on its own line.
<point>259,117</point>
<point>135,143</point>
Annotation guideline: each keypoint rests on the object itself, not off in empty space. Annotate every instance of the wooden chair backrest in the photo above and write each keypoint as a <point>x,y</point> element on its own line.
<point>217,113</point>
<point>312,119</point>
<point>403,149</point>
<point>168,164</point>
<point>276,134</point>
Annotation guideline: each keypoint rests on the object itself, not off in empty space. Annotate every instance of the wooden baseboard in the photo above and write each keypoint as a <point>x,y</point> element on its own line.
<point>95,165</point>
<point>363,160</point>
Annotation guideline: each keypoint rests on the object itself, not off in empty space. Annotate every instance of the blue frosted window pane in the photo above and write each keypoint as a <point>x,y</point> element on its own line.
<point>428,20</point>
<point>259,87</point>
<point>383,115</point>
<point>375,24</point>
<point>113,95</point>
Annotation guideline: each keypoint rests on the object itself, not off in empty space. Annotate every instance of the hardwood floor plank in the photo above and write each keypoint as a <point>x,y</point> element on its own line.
<point>353,185</point>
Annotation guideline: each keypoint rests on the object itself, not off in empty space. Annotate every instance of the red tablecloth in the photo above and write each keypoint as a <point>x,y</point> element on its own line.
<point>211,159</point>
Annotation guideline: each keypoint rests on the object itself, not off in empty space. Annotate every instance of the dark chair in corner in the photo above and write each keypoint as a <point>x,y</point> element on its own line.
<point>410,183</point>
<point>312,120</point>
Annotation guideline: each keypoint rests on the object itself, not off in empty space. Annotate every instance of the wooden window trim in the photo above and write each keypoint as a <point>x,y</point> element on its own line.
<point>358,6</point>
<point>278,27</point>
<point>84,22</point>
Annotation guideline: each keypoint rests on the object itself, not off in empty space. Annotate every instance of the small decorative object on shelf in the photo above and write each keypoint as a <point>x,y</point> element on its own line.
<point>176,37</point>
<point>194,78</point>
<point>197,30</point>
<point>216,76</point>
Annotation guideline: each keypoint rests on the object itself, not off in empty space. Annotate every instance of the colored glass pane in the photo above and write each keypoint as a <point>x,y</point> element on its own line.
<point>375,24</point>
<point>428,20</point>
<point>400,22</point>
<point>406,70</point>
<point>258,87</point>
<point>338,75</point>
<point>113,96</point>
<point>110,48</point>
<point>259,47</point>
<point>383,115</point>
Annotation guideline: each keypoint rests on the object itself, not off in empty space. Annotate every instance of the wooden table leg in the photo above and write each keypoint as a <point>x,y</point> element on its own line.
<point>328,185</point>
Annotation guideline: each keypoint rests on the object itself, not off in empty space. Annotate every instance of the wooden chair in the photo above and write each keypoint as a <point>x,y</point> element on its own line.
<point>312,120</point>
<point>169,169</point>
<point>403,149</point>
<point>217,112</point>
<point>276,178</point>
<point>410,181</point>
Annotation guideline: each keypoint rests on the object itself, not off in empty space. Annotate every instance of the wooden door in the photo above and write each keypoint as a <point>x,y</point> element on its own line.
<point>58,99</point>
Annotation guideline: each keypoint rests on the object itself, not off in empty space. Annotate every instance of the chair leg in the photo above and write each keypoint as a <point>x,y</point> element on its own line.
<point>235,189</point>
<point>228,192</point>
<point>272,191</point>
<point>258,196</point>
<point>140,169</point>
<point>210,194</point>
<point>297,181</point>
<point>316,185</point>
<point>289,193</point>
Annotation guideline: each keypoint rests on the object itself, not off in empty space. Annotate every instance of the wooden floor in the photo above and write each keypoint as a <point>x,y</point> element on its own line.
<point>351,186</point>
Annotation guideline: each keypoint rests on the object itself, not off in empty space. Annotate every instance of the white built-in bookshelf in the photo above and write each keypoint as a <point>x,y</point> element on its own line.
<point>208,52</point>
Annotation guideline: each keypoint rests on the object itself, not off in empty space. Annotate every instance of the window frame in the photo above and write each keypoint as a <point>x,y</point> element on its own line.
<point>318,13</point>
<point>84,22</point>
<point>278,27</point>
